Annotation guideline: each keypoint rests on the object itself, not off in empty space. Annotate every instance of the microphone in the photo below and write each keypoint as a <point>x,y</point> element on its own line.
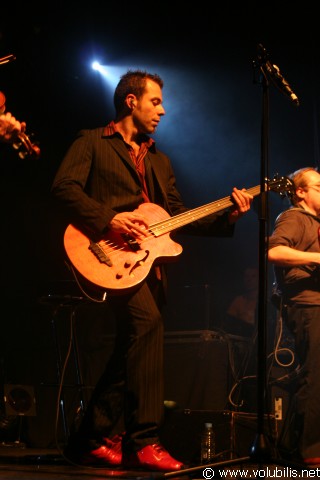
<point>281,82</point>
<point>274,72</point>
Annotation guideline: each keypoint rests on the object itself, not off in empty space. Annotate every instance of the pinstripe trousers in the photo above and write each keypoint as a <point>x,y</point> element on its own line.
<point>132,384</point>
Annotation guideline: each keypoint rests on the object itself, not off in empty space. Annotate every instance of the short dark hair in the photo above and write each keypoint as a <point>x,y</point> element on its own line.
<point>134,81</point>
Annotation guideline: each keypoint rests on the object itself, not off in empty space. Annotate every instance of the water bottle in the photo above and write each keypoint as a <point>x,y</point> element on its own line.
<point>208,444</point>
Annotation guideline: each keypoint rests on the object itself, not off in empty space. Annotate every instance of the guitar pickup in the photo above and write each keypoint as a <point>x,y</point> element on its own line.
<point>100,254</point>
<point>131,241</point>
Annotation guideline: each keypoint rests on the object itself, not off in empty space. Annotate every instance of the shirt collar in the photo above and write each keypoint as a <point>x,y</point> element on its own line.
<point>111,130</point>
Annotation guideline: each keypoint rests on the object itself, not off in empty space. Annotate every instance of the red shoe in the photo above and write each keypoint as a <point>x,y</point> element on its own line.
<point>114,443</point>
<point>152,457</point>
<point>108,454</point>
<point>312,462</point>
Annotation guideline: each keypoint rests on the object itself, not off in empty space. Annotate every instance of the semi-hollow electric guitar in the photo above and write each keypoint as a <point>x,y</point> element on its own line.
<point>120,262</point>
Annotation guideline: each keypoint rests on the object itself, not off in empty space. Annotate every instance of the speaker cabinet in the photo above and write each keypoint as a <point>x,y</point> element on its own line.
<point>196,369</point>
<point>19,400</point>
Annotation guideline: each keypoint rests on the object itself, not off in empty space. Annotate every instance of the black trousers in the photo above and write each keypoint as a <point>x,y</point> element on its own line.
<point>304,323</point>
<point>132,385</point>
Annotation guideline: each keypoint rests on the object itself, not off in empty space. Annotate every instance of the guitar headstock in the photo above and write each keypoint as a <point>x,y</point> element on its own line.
<point>282,185</point>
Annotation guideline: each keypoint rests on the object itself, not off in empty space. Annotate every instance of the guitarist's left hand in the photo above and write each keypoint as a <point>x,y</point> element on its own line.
<point>242,204</point>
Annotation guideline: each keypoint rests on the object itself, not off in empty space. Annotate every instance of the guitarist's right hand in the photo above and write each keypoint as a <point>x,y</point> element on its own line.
<point>131,223</point>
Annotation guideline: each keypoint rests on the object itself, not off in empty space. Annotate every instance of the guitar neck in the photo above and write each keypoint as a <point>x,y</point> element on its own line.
<point>178,221</point>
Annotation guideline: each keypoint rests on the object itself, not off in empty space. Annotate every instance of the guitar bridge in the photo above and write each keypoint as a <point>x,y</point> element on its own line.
<point>100,253</point>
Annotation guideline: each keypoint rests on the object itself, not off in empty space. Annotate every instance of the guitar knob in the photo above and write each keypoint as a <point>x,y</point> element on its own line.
<point>127,265</point>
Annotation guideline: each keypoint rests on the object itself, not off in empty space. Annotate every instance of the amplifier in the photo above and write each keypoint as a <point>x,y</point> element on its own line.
<point>196,366</point>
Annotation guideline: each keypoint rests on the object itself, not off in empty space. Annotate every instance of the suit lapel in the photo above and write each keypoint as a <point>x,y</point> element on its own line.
<point>118,145</point>
<point>149,178</point>
<point>156,173</point>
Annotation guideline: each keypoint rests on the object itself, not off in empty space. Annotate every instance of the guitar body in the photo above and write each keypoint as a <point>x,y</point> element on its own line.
<point>122,266</point>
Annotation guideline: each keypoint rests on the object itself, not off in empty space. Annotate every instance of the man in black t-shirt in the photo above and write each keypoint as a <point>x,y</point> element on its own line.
<point>295,253</point>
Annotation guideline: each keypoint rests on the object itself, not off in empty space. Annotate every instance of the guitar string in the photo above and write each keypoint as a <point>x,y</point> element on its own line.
<point>181,219</point>
<point>172,223</point>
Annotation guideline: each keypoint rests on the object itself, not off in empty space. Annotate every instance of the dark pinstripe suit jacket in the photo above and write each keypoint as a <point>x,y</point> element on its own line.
<point>97,179</point>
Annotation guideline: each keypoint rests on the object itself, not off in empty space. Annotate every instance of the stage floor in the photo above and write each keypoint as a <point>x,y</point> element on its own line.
<point>17,463</point>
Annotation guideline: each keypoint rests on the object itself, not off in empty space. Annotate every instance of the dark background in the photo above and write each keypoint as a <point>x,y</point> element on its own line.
<point>212,132</point>
<point>212,129</point>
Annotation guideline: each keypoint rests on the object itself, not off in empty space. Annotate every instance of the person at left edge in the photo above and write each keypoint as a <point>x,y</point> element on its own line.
<point>10,127</point>
<point>106,173</point>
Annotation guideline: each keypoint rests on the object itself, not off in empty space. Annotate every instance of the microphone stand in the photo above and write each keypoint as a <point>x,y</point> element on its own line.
<point>260,449</point>
<point>260,452</point>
